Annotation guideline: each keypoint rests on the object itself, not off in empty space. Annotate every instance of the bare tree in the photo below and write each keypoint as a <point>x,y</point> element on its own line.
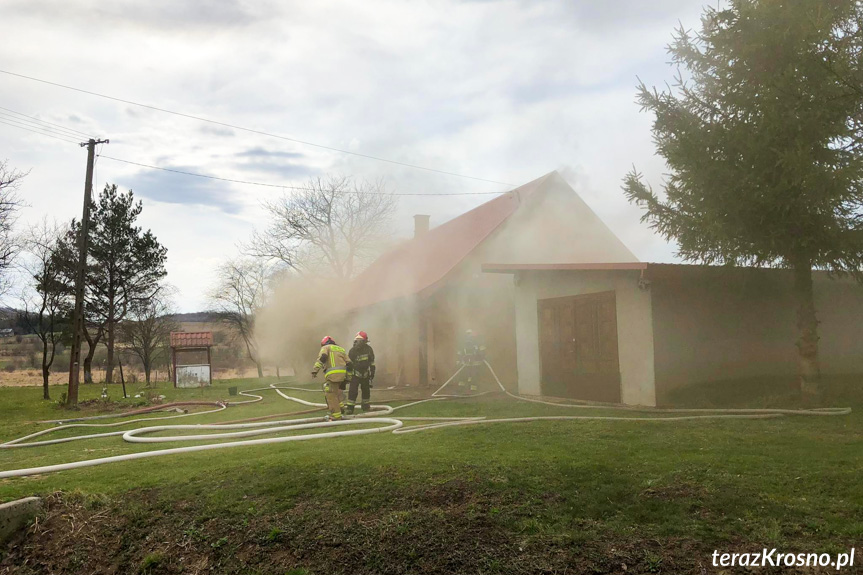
<point>10,203</point>
<point>243,289</point>
<point>332,228</point>
<point>45,300</point>
<point>147,331</point>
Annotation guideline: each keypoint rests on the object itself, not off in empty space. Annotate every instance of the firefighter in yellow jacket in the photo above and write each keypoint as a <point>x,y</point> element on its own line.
<point>336,364</point>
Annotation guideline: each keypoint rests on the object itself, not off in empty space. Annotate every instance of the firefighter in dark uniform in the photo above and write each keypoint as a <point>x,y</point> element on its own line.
<point>362,358</point>
<point>471,355</point>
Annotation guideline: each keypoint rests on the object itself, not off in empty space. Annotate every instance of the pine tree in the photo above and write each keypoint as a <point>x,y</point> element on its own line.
<point>125,266</point>
<point>762,135</point>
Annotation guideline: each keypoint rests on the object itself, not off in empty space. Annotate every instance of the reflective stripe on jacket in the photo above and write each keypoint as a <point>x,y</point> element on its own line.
<point>334,361</point>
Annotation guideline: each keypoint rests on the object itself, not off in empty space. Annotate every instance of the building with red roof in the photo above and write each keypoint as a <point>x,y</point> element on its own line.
<point>566,310</point>
<point>416,300</point>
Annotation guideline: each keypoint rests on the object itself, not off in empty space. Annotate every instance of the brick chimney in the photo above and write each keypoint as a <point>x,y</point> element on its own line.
<point>421,225</point>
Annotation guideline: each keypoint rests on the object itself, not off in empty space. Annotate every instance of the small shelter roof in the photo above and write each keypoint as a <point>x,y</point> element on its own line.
<point>191,339</point>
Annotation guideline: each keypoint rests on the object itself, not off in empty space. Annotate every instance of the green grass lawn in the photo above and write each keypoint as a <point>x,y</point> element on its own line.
<point>587,496</point>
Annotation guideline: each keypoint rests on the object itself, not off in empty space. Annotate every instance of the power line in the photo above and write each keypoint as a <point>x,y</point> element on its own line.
<point>30,124</point>
<point>35,119</point>
<point>267,185</point>
<point>14,121</point>
<point>259,132</point>
<point>35,131</point>
<point>32,128</point>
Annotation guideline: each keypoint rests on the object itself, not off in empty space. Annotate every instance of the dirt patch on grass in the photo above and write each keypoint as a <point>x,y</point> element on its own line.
<point>673,491</point>
<point>447,529</point>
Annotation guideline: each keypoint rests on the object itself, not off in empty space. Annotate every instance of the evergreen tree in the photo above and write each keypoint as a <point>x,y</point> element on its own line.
<point>125,266</point>
<point>762,135</point>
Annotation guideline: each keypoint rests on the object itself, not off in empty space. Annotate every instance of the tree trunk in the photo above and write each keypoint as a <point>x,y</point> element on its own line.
<point>45,389</point>
<point>253,356</point>
<point>88,368</point>
<point>808,368</point>
<point>147,364</point>
<point>45,371</point>
<point>122,379</point>
<point>109,369</point>
<point>91,351</point>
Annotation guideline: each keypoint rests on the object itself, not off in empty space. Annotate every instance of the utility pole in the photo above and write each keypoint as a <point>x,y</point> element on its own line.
<point>80,275</point>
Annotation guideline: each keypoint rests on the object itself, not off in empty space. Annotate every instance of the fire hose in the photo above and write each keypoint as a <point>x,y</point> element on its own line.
<point>374,417</point>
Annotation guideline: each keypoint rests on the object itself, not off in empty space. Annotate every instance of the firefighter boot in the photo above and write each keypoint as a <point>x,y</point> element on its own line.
<point>348,409</point>
<point>367,407</point>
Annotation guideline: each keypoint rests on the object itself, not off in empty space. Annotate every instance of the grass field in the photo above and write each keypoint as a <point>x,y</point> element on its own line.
<point>553,496</point>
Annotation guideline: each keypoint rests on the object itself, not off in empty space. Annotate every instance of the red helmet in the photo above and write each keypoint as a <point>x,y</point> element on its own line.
<point>362,335</point>
<point>327,341</point>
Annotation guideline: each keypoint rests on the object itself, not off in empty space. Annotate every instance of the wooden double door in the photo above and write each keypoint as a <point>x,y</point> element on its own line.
<point>578,347</point>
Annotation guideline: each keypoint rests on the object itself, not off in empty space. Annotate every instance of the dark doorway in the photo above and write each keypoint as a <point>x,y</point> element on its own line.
<point>578,347</point>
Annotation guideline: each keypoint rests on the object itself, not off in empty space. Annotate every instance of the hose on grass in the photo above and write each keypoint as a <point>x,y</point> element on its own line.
<point>696,413</point>
<point>24,441</point>
<point>221,406</point>
<point>392,425</point>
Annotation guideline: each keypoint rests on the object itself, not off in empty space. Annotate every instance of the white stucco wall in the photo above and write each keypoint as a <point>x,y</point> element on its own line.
<point>634,326</point>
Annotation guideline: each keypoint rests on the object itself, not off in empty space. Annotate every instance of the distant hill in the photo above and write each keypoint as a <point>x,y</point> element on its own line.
<point>8,317</point>
<point>196,317</point>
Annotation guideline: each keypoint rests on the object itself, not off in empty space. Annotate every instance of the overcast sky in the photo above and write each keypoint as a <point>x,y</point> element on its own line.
<point>504,90</point>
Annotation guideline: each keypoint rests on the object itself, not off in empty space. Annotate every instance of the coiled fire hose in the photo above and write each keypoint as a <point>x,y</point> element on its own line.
<point>339,428</point>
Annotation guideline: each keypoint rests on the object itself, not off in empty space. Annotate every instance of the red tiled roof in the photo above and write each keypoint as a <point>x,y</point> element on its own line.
<point>420,263</point>
<point>191,339</point>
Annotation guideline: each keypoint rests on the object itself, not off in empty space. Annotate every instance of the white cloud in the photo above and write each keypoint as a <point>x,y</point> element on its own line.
<point>506,90</point>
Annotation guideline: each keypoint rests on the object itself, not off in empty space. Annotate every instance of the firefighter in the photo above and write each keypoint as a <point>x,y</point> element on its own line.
<point>362,358</point>
<point>336,365</point>
<point>471,355</point>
